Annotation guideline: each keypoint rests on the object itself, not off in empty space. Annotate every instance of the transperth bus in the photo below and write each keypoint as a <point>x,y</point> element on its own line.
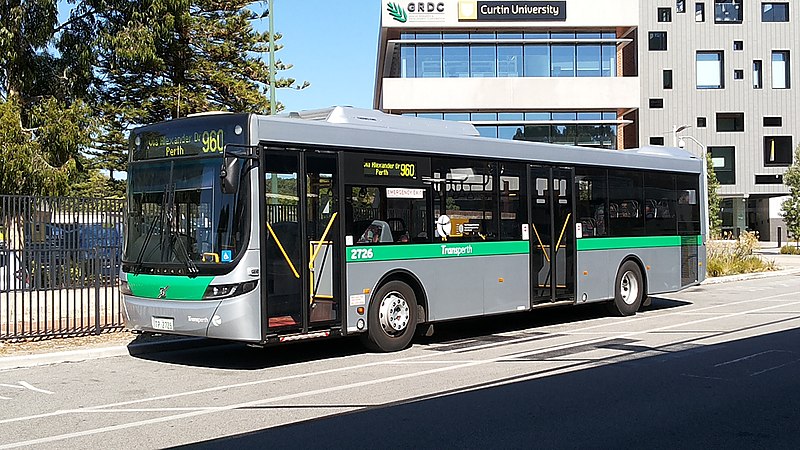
<point>269,229</point>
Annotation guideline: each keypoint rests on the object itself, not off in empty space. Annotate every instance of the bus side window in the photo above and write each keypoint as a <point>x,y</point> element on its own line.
<point>377,215</point>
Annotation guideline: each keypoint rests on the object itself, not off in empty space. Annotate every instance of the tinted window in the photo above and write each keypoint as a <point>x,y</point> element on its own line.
<point>513,200</point>
<point>592,201</point>
<point>467,194</point>
<point>659,204</point>
<point>688,206</point>
<point>626,203</point>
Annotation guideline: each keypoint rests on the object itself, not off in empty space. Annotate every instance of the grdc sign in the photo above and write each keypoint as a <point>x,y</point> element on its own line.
<point>403,13</point>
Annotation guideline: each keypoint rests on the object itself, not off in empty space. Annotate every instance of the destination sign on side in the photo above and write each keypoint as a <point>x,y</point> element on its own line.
<point>397,169</point>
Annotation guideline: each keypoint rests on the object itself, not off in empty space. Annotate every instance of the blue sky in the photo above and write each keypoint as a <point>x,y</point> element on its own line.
<point>332,45</point>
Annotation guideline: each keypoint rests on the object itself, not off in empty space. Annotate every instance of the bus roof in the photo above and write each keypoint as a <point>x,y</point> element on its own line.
<point>353,128</point>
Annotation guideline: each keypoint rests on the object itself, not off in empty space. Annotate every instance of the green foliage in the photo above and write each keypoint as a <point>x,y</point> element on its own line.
<point>736,257</point>
<point>791,206</point>
<point>714,201</point>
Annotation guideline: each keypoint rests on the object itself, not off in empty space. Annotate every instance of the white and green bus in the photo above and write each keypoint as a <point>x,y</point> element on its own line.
<point>269,229</point>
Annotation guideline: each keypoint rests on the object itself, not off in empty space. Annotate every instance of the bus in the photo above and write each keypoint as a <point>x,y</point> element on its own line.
<point>342,221</point>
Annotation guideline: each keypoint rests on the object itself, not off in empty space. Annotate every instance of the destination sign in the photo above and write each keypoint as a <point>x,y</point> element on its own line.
<point>187,137</point>
<point>390,169</point>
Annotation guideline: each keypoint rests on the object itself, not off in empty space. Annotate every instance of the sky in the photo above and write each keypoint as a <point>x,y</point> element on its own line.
<point>333,46</point>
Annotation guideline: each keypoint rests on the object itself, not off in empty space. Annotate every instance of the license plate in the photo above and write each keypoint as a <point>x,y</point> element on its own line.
<point>163,323</point>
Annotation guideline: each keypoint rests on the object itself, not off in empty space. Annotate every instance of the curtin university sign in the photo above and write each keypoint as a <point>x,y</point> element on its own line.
<point>517,11</point>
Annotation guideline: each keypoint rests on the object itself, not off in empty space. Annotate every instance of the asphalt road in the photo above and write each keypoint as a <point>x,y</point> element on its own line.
<point>716,366</point>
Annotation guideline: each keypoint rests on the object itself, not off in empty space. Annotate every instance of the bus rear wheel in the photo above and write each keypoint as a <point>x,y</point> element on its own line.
<point>628,290</point>
<point>392,318</point>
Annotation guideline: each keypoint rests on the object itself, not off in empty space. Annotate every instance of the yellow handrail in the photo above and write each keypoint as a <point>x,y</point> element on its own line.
<point>280,246</point>
<point>563,229</point>
<point>541,244</point>
<point>321,240</point>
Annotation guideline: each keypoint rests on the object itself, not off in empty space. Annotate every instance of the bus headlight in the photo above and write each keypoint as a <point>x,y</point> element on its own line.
<point>218,291</point>
<point>124,288</point>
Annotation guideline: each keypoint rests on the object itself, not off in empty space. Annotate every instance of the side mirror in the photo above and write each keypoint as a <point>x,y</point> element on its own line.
<point>230,174</point>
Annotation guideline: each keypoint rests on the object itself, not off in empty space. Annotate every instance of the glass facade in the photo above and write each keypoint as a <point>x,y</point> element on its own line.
<point>586,129</point>
<point>430,55</point>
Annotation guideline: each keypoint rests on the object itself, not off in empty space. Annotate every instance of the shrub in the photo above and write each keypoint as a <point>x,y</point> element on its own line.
<point>790,250</point>
<point>735,257</point>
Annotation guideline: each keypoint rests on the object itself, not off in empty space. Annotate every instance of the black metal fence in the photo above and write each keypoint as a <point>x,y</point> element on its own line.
<point>59,266</point>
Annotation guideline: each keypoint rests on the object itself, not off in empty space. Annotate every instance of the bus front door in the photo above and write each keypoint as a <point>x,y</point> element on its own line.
<point>300,242</point>
<point>552,234</point>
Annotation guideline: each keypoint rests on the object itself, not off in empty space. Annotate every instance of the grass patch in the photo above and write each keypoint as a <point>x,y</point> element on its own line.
<point>790,250</point>
<point>736,257</point>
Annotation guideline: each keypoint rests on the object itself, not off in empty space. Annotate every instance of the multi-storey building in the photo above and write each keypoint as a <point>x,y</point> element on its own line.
<point>613,74</point>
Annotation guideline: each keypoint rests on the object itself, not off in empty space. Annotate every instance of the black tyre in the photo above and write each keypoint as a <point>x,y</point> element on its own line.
<point>628,290</point>
<point>392,318</point>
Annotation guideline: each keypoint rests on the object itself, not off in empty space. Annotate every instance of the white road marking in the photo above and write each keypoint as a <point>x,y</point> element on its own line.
<point>28,386</point>
<point>369,382</point>
<point>745,358</point>
<point>13,386</point>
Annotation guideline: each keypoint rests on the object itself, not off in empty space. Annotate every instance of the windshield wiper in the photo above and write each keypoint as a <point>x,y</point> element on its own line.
<point>191,267</point>
<point>137,266</point>
<point>173,235</point>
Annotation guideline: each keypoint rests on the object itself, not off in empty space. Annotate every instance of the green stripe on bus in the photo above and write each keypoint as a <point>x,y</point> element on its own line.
<point>175,287</point>
<point>616,243</point>
<point>438,250</point>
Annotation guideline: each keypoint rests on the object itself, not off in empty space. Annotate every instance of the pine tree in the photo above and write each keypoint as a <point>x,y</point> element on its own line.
<point>791,206</point>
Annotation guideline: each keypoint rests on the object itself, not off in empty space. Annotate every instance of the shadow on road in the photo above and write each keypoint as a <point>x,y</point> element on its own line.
<point>739,394</point>
<point>236,356</point>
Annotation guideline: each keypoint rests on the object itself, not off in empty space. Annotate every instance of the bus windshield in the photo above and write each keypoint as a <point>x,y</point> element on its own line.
<point>178,215</point>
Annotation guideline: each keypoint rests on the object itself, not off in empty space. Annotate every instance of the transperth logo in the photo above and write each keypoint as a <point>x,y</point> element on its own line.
<point>456,251</point>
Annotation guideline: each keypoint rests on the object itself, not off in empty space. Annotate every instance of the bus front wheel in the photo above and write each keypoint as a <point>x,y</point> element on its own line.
<point>628,290</point>
<point>392,318</point>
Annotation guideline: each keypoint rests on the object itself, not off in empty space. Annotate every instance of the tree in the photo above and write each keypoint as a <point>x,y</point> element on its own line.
<point>791,206</point>
<point>714,202</point>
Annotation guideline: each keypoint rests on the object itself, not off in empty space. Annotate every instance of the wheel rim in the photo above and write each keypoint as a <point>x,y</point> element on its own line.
<point>394,313</point>
<point>629,288</point>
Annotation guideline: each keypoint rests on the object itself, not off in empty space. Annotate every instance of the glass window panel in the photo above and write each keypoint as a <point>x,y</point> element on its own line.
<point>589,61</point>
<point>483,61</point>
<point>609,35</point>
<point>437,116</point>
<point>657,41</point>
<point>562,35</point>
<point>758,75</point>
<point>588,35</point>
<point>510,116</point>
<point>564,134</point>
<point>407,64</point>
<point>699,12</point>
<point>563,61</point>
<point>609,115</point>
<point>723,160</point>
<point>537,36</point>
<point>590,116</point>
<point>482,36</point>
<point>592,201</point>
<point>537,61</point>
<point>780,70</point>
<point>709,70</point>
<point>609,57</point>
<point>660,200</point>
<point>429,62</point>
<point>778,151</point>
<point>565,116</point>
<point>468,197</point>
<point>775,12</point>
<point>487,130</point>
<point>509,61</point>
<point>626,203</point>
<point>429,36</point>
<point>455,36</point>
<point>456,62</point>
<point>537,116</point>
<point>509,132</point>
<point>484,117</point>
<point>537,133</point>
<point>509,35</point>
<point>680,6</point>
<point>461,117</point>
<point>407,36</point>
<point>513,200</point>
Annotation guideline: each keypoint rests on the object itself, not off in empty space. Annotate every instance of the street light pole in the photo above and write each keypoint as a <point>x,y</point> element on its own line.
<point>271,57</point>
<point>703,158</point>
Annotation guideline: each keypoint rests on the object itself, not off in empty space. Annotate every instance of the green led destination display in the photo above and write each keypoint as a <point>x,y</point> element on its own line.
<point>390,169</point>
<point>188,137</point>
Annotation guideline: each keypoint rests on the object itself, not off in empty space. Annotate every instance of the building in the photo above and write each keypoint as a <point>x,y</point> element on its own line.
<point>613,74</point>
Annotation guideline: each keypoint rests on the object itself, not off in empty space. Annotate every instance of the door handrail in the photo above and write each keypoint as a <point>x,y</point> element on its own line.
<point>321,240</point>
<point>280,247</point>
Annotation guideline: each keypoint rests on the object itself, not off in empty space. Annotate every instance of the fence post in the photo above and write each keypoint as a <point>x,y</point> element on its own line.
<point>96,291</point>
<point>780,233</point>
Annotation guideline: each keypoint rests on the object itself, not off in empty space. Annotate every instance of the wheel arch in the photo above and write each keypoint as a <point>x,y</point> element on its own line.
<point>414,283</point>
